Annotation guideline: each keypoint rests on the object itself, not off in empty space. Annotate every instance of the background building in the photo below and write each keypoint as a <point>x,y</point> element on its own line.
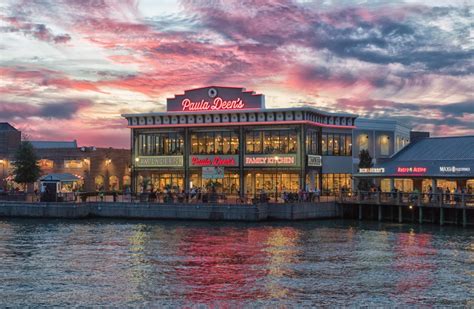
<point>98,168</point>
<point>382,138</point>
<point>10,139</point>
<point>437,162</point>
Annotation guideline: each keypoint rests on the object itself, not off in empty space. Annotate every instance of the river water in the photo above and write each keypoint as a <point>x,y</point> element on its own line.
<point>205,264</point>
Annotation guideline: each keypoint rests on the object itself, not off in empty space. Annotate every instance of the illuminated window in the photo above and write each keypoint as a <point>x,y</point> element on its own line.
<point>113,183</point>
<point>99,182</point>
<point>153,144</point>
<point>384,145</point>
<point>45,164</point>
<point>363,142</point>
<point>271,142</point>
<point>336,144</point>
<point>220,142</point>
<point>127,181</point>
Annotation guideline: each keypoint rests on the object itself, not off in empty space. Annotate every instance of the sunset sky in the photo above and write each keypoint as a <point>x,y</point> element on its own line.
<point>69,68</point>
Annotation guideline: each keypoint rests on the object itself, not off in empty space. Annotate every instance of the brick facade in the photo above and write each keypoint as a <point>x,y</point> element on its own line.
<point>89,163</point>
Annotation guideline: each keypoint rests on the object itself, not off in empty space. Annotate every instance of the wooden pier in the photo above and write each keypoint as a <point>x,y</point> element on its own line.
<point>456,209</point>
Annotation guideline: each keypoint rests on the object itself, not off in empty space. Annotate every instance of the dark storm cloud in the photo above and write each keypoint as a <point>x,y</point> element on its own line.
<point>38,31</point>
<point>62,110</point>
<point>458,109</point>
<point>56,110</point>
<point>371,35</point>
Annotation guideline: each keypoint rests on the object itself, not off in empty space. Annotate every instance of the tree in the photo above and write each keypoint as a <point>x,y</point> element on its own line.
<point>365,161</point>
<point>26,168</point>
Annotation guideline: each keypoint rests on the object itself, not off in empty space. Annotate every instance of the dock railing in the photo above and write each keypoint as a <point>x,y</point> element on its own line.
<point>171,198</point>
<point>408,198</point>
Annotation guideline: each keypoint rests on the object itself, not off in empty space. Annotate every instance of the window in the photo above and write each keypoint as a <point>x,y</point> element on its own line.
<point>384,145</point>
<point>363,142</point>
<point>348,146</point>
<point>336,144</point>
<point>334,183</point>
<point>221,142</point>
<point>270,142</point>
<point>153,144</point>
<point>324,144</point>
<point>45,164</point>
<point>312,142</point>
<point>330,144</point>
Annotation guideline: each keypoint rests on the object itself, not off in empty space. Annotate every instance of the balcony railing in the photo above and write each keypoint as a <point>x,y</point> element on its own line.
<point>408,198</point>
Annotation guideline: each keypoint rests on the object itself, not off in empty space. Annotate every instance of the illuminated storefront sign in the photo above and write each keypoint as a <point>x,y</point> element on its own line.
<point>411,170</point>
<point>454,169</point>
<point>159,161</point>
<point>266,160</point>
<point>217,160</point>
<point>216,104</point>
<point>372,170</point>
<point>73,164</point>
<point>315,160</point>
<point>212,172</point>
<point>215,99</point>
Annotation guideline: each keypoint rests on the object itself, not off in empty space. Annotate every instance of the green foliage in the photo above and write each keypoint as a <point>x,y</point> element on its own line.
<point>365,161</point>
<point>26,165</point>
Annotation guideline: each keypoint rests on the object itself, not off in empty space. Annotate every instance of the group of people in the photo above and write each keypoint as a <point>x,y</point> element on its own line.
<point>447,195</point>
<point>288,197</point>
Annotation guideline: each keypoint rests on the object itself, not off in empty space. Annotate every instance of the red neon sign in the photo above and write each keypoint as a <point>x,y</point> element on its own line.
<point>215,105</point>
<point>408,170</point>
<point>213,161</point>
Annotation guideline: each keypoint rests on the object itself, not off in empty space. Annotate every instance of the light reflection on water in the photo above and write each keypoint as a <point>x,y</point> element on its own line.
<point>117,263</point>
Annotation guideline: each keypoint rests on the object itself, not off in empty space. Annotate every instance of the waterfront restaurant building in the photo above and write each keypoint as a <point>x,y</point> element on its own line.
<point>436,162</point>
<point>225,138</point>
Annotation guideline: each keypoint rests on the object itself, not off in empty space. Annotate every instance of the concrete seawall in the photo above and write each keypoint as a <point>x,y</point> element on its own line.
<point>223,212</point>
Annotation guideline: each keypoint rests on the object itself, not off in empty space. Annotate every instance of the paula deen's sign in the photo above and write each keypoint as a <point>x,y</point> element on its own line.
<point>159,161</point>
<point>215,99</point>
<point>214,160</point>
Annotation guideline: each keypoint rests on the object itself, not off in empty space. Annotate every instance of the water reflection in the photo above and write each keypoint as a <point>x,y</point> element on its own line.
<point>118,263</point>
<point>414,264</point>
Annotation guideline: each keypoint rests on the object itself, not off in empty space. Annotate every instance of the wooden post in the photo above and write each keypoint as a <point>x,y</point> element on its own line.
<point>441,216</point>
<point>360,212</point>
<point>420,215</point>
<point>400,217</point>
<point>380,212</point>
<point>464,217</point>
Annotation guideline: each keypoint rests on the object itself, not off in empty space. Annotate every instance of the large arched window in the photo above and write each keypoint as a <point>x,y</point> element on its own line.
<point>127,181</point>
<point>99,182</point>
<point>113,183</point>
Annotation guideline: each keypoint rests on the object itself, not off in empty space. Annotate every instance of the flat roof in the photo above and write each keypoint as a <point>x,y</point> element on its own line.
<point>54,144</point>
<point>292,109</point>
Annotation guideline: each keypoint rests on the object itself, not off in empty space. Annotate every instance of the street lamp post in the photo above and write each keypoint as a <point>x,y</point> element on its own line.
<point>276,179</point>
